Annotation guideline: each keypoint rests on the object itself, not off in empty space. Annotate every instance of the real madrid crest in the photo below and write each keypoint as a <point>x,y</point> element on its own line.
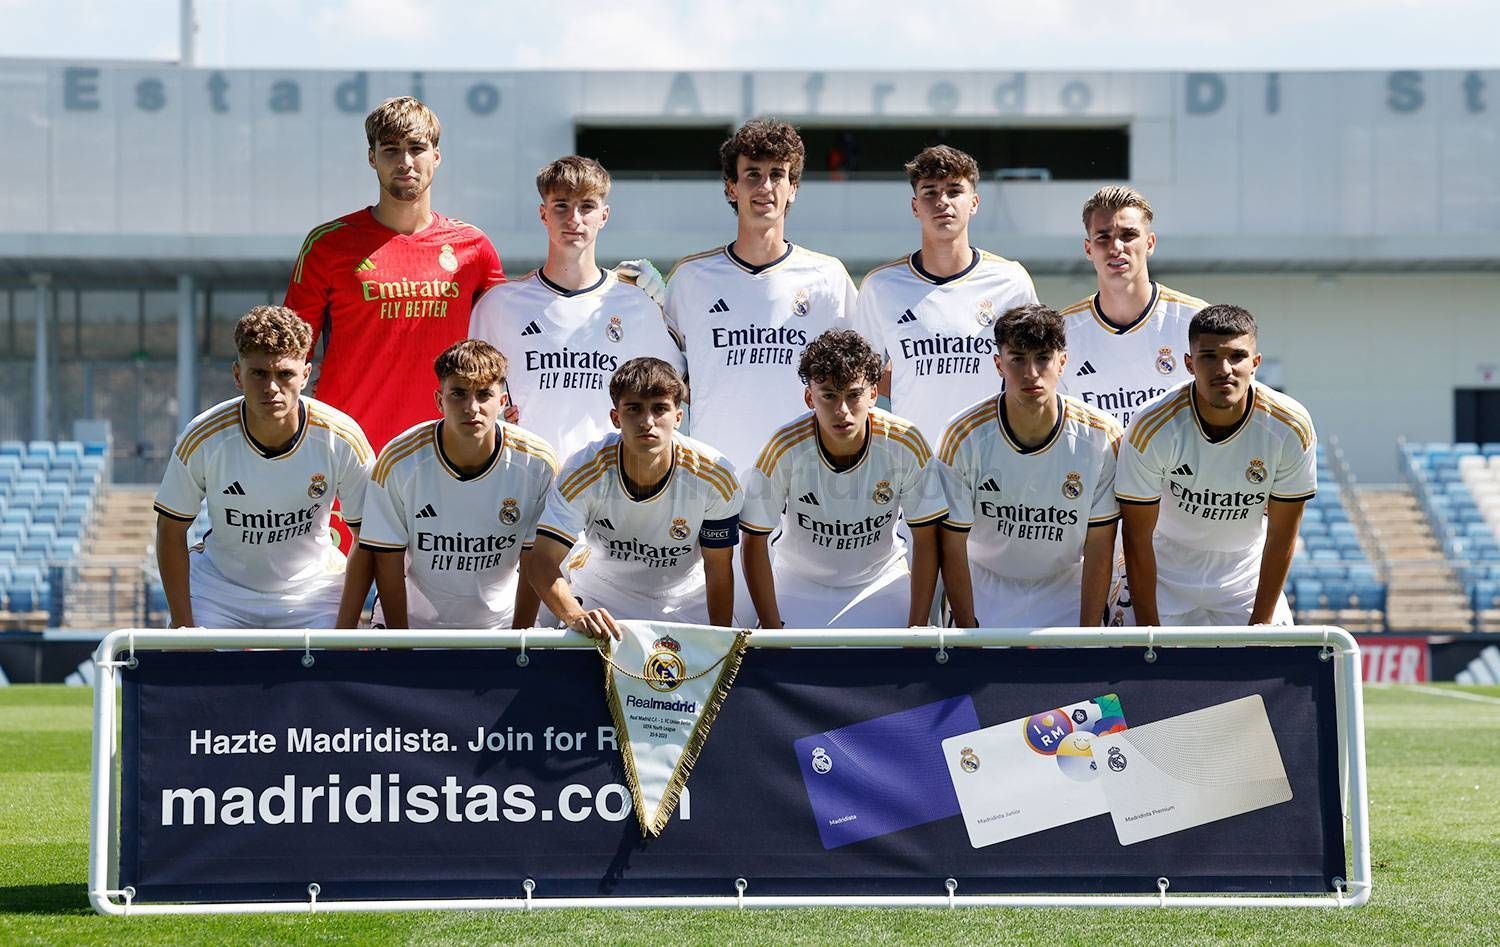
<point>447,259</point>
<point>800,305</point>
<point>510,511</point>
<point>968,760</point>
<point>883,492</point>
<point>1166,362</point>
<point>985,314</point>
<point>1116,759</point>
<point>1256,472</point>
<point>821,761</point>
<point>664,669</point>
<point>317,486</point>
<point>678,529</point>
<point>614,331</point>
<point>1072,487</point>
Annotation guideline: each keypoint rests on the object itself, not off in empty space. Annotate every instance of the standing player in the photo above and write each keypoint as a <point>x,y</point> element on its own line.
<point>392,284</point>
<point>835,481</point>
<point>745,311</point>
<point>933,311</point>
<point>659,513</point>
<point>1031,537</point>
<point>270,463</point>
<point>1237,460</point>
<point>452,503</point>
<point>570,324</point>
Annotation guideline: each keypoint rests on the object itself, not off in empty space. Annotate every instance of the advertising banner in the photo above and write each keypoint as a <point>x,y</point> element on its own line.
<point>439,773</point>
<point>1389,659</point>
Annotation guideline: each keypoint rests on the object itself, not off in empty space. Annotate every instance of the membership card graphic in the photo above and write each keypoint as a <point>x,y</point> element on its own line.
<point>1031,774</point>
<point>882,775</point>
<point>1197,767</point>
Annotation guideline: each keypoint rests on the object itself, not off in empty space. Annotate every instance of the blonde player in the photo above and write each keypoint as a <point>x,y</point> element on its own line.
<point>1031,536</point>
<point>835,480</point>
<point>933,312</point>
<point>1212,479</point>
<point>452,503</point>
<point>745,311</point>
<point>657,511</point>
<point>270,464</point>
<point>567,326</point>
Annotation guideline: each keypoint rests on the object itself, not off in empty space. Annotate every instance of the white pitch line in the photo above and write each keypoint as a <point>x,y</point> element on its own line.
<point>1456,695</point>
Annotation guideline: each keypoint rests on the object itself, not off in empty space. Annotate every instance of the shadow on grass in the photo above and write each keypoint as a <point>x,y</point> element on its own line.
<point>44,899</point>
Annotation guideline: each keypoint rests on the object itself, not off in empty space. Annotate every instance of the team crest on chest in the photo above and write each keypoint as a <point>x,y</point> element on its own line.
<point>615,332</point>
<point>679,529</point>
<point>800,306</point>
<point>1256,472</point>
<point>1166,362</point>
<point>883,493</point>
<point>1072,487</point>
<point>968,760</point>
<point>664,669</point>
<point>317,486</point>
<point>510,511</point>
<point>447,259</point>
<point>985,314</point>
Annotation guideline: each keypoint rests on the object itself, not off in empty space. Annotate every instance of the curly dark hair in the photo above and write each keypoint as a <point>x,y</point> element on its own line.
<point>940,162</point>
<point>1031,328</point>
<point>841,356</point>
<point>763,139</point>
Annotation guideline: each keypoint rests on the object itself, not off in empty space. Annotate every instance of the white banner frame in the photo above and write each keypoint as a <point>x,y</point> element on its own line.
<point>118,649</point>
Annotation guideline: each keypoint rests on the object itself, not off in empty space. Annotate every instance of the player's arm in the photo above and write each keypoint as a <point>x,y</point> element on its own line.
<point>958,586</point>
<point>172,562</point>
<point>527,602</point>
<point>755,558</point>
<point>542,567</point>
<point>718,573</point>
<point>1098,570</point>
<point>359,572</point>
<point>925,552</point>
<point>1282,519</point>
<point>389,569</point>
<point>1138,524</point>
<point>883,387</point>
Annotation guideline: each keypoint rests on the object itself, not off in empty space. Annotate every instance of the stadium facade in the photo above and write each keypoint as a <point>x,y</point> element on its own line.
<point>1358,214</point>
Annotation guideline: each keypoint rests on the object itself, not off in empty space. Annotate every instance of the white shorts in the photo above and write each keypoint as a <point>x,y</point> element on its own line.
<point>883,602</point>
<point>1003,602</point>
<point>1121,610</point>
<point>220,603</point>
<point>1191,581</point>
<point>1205,616</point>
<point>689,606</point>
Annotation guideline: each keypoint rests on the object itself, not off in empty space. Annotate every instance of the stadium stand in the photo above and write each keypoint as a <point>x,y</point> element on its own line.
<point>48,493</point>
<point>1333,580</point>
<point>1458,486</point>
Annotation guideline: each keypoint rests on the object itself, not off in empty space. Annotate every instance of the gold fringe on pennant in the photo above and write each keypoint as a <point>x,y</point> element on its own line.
<point>657,821</point>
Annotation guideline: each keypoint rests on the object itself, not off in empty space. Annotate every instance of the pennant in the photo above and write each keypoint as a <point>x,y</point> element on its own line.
<point>664,684</point>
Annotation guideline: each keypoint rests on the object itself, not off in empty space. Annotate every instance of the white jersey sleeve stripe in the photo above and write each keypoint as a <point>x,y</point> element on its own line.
<point>1141,434</point>
<point>193,441</point>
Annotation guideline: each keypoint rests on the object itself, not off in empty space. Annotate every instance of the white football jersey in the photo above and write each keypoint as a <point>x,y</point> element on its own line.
<point>269,513</point>
<point>649,547</point>
<point>1213,494</point>
<point>563,346</point>
<point>838,527</point>
<point>463,534</point>
<point>939,332</point>
<point>1118,369</point>
<point>1028,510</point>
<point>744,328</point>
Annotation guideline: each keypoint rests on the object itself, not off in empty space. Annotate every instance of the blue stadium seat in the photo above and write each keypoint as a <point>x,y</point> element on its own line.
<point>1325,555</point>
<point>1490,450</point>
<point>12,449</point>
<point>69,449</point>
<point>71,529</point>
<point>1316,544</point>
<point>16,515</point>
<point>94,448</point>
<point>1465,447</point>
<point>1313,528</point>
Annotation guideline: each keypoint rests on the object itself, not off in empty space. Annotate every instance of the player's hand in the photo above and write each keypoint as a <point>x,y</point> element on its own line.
<point>596,623</point>
<point>646,276</point>
<point>512,414</point>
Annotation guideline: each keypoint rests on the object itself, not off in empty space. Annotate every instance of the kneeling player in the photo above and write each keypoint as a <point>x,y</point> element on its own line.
<point>835,481</point>
<point>1031,483</point>
<point>1238,461</point>
<point>452,503</point>
<point>658,512</point>
<point>270,464</point>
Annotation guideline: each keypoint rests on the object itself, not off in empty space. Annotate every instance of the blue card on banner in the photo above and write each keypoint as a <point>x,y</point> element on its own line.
<point>883,775</point>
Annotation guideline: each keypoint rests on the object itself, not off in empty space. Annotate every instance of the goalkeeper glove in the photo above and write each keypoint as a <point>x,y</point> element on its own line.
<point>646,276</point>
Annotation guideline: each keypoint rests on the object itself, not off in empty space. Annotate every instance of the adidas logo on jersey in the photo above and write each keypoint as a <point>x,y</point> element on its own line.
<point>809,498</point>
<point>907,316</point>
<point>426,511</point>
<point>720,306</point>
<point>234,490</point>
<point>1183,471</point>
<point>604,523</point>
<point>1086,369</point>
<point>991,485</point>
<point>365,266</point>
<point>531,329</point>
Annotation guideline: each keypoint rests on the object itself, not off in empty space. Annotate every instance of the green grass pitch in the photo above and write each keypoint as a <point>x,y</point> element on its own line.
<point>1434,807</point>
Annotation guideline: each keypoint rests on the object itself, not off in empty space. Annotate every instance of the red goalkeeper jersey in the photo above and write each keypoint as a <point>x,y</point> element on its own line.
<point>390,303</point>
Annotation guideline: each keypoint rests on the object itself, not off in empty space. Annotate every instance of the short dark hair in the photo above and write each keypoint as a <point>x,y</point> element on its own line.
<point>1031,328</point>
<point>1222,319</point>
<point>940,162</point>
<point>647,376</point>
<point>475,361</point>
<point>841,356</point>
<point>763,139</point>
